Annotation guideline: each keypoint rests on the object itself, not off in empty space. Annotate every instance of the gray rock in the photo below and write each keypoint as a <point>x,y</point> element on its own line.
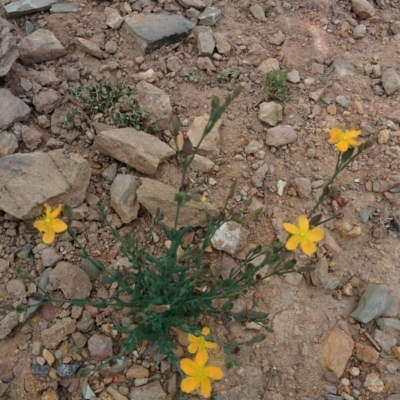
<point>373,303</point>
<point>294,76</point>
<point>29,27</point>
<point>205,43</point>
<point>50,257</point>
<point>253,147</point>
<point>39,47</point>
<point>294,279</point>
<point>40,370</point>
<point>152,391</point>
<point>8,323</point>
<point>116,367</point>
<point>151,31</point>
<point>231,237</point>
<point>46,101</point>
<point>270,113</point>
<point>90,269</point>
<point>259,176</point>
<point>110,172</point>
<point>27,181</point>
<point>389,323</point>
<point>16,288</point>
<point>156,103</point>
<point>174,64</point>
<point>222,44</point>
<point>390,81</point>
<point>123,197</point>
<point>67,370</point>
<point>64,8</point>
<point>8,47</point>
<point>277,39</point>
<point>211,145</point>
<point>138,149</point>
<point>321,278</point>
<point>55,334</point>
<point>342,101</point>
<point>8,144</point>
<point>210,16</point>
<point>363,8</point>
<point>280,136</point>
<point>192,4</point>
<point>302,187</point>
<point>384,340</point>
<point>25,7</point>
<point>204,63</point>
<point>258,12</point>
<point>114,18</point>
<point>359,31</point>
<point>31,137</point>
<point>12,109</point>
<point>393,397</point>
<point>192,13</point>
<point>100,347</point>
<point>202,164</point>
<point>340,68</point>
<point>89,47</point>
<point>317,94</point>
<point>153,195</point>
<point>71,280</point>
<point>395,27</point>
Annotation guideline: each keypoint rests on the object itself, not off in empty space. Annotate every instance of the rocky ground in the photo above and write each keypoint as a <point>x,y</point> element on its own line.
<point>336,329</point>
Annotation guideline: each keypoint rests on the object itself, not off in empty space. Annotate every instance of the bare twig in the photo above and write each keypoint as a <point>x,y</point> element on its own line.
<point>268,383</point>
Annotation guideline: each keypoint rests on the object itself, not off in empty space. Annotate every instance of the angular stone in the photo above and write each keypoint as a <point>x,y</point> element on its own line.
<point>50,257</point>
<point>270,64</point>
<point>27,181</point>
<point>363,8</point>
<point>156,103</point>
<point>71,280</point>
<point>294,76</point>
<point>198,4</point>
<point>373,383</point>
<point>114,18</point>
<point>55,334</point>
<point>31,137</point>
<point>46,101</point>
<point>8,47</point>
<point>152,391</point>
<point>373,303</point>
<point>151,31</point>
<point>280,136</point>
<point>389,323</point>
<point>89,47</point>
<point>277,39</point>
<point>8,323</point>
<point>205,43</point>
<point>366,354</point>
<point>64,8</point>
<point>270,113</point>
<point>100,347</point>
<point>26,7</point>
<point>137,372</point>
<point>335,350</point>
<point>359,31</point>
<point>302,187</point>
<point>40,46</point>
<point>202,164</point>
<point>148,76</point>
<point>253,147</point>
<point>12,109</point>
<point>385,341</point>
<point>211,145</point>
<point>123,197</point>
<point>210,16</point>
<point>8,144</point>
<point>340,68</point>
<point>259,176</point>
<point>258,12</point>
<point>222,44</point>
<point>153,195</point>
<point>138,149</point>
<point>174,64</point>
<point>390,81</point>
<point>205,64</point>
<point>231,237</point>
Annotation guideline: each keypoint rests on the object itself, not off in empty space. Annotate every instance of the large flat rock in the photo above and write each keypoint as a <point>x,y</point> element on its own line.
<point>8,47</point>
<point>138,149</point>
<point>25,7</point>
<point>154,195</point>
<point>27,181</point>
<point>151,31</point>
<point>12,109</point>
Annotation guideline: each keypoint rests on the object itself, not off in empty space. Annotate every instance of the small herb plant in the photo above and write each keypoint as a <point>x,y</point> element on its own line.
<point>105,100</point>
<point>275,85</point>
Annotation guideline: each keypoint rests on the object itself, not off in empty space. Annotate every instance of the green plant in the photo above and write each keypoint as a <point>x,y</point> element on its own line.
<point>275,85</point>
<point>189,77</point>
<point>225,75</point>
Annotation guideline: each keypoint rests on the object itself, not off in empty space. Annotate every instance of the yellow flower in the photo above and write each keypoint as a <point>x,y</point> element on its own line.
<point>50,224</point>
<point>343,138</point>
<point>198,343</point>
<point>199,375</point>
<point>303,236</point>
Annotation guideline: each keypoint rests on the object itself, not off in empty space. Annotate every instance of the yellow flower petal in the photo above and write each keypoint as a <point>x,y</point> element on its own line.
<point>214,373</point>
<point>192,338</point>
<point>303,223</point>
<point>192,348</point>
<point>59,226</point>
<point>353,142</point>
<point>293,229</point>
<point>292,243</point>
<point>47,210</point>
<point>342,146</point>
<point>188,385</point>
<point>188,366</point>
<point>353,134</point>
<point>316,234</point>
<point>335,135</point>
<point>56,212</point>
<point>49,236</point>
<point>201,358</point>
<point>308,247</point>
<point>211,345</point>
<point>205,331</point>
<point>205,388</point>
<point>40,225</point>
